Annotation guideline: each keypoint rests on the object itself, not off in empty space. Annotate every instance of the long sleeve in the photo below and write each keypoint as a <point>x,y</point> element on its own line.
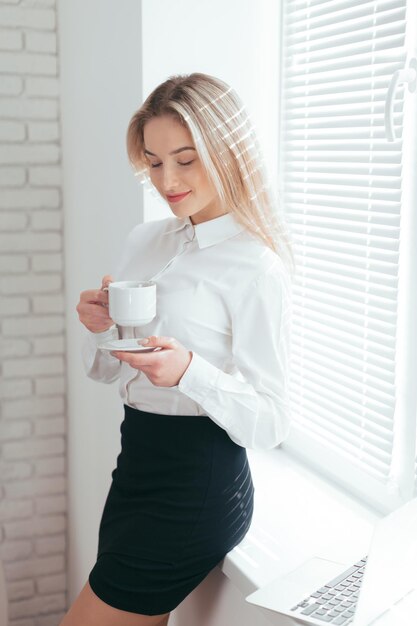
<point>255,411</point>
<point>100,365</point>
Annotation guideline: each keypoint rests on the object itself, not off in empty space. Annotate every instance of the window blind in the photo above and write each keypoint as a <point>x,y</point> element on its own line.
<point>341,185</point>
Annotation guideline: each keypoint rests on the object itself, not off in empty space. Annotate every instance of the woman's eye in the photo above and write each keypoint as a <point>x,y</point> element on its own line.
<point>179,163</point>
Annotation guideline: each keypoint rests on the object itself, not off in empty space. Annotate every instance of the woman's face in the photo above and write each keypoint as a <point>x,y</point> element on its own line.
<point>175,169</point>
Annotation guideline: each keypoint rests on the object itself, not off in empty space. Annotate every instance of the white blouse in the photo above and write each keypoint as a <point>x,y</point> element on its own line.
<point>226,297</point>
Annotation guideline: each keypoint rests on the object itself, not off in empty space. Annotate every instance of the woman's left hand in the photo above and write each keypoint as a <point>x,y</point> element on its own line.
<point>164,367</point>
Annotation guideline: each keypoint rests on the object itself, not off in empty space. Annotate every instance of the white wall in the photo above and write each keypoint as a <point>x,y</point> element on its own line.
<point>101,87</point>
<point>237,41</point>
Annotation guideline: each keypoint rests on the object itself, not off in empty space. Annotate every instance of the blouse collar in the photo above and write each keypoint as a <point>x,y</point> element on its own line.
<point>211,232</point>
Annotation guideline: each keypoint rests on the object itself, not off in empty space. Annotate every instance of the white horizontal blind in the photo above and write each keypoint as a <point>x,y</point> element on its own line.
<point>341,187</point>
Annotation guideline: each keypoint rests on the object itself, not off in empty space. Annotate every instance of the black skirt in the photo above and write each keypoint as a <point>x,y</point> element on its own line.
<point>180,499</point>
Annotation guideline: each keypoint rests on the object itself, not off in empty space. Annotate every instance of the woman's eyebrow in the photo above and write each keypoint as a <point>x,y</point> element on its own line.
<point>173,152</point>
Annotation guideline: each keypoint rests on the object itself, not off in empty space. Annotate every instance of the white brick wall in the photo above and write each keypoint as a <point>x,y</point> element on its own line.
<point>33,503</point>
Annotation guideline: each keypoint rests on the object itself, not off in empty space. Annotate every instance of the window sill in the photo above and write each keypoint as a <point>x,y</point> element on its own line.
<point>297,512</point>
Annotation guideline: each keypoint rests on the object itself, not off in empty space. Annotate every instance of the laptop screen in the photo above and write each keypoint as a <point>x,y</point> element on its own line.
<point>391,570</point>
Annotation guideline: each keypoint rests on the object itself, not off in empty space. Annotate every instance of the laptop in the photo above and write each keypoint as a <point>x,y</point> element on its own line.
<point>381,588</point>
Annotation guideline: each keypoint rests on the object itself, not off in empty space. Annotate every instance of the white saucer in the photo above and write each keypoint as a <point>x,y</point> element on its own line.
<point>125,345</point>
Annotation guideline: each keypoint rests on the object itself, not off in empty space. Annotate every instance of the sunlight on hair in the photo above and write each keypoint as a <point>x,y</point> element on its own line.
<point>249,146</point>
<point>263,188</point>
<point>140,173</point>
<point>232,117</point>
<point>213,100</point>
<point>242,138</point>
<point>235,130</point>
<point>251,172</point>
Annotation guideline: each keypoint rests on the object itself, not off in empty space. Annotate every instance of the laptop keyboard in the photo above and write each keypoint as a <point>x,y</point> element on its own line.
<point>335,603</point>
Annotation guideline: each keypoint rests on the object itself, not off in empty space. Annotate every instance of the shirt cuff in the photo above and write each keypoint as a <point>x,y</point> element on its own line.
<point>105,335</point>
<point>198,379</point>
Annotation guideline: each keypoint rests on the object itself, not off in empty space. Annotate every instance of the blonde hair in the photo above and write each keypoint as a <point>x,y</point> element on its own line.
<point>227,146</point>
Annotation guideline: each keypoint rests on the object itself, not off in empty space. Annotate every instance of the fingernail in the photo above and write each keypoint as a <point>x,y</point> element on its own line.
<point>143,342</point>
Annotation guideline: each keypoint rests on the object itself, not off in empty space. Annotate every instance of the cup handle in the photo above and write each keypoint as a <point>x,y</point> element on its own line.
<point>119,332</point>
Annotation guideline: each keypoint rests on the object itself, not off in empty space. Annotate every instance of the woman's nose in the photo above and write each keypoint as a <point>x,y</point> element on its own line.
<point>170,179</point>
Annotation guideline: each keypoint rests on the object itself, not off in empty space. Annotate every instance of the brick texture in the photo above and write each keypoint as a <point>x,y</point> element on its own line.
<point>33,490</point>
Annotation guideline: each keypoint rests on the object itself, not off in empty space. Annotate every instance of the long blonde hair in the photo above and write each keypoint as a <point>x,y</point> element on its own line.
<point>227,145</point>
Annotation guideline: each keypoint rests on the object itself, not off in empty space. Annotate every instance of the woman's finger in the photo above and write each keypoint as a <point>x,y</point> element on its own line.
<point>94,296</point>
<point>161,342</point>
<point>106,280</point>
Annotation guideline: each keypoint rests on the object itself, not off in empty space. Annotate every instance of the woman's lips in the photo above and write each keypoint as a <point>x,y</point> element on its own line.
<point>178,197</point>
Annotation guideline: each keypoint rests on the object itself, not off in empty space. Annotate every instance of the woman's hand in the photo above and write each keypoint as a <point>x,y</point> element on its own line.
<point>164,367</point>
<point>93,308</point>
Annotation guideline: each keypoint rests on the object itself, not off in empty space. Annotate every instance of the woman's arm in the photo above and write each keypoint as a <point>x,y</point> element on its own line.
<point>100,365</point>
<point>256,411</point>
<point>93,313</point>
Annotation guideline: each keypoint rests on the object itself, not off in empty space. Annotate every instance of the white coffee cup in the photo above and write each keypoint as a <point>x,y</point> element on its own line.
<point>132,302</point>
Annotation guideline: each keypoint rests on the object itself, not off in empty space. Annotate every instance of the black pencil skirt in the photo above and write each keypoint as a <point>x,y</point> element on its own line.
<point>181,498</point>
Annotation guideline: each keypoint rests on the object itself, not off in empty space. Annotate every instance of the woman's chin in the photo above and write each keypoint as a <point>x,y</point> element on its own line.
<point>179,211</point>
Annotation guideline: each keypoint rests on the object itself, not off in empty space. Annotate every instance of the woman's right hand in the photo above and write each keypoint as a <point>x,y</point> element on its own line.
<point>93,308</point>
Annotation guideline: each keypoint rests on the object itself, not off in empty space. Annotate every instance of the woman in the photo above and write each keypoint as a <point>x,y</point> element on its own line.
<point>182,494</point>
